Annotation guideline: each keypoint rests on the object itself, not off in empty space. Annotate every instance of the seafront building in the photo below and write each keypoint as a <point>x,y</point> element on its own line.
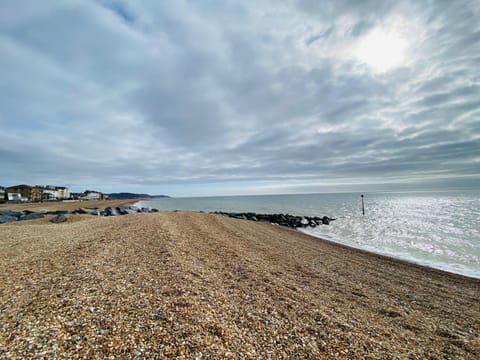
<point>20,192</point>
<point>35,193</point>
<point>2,195</point>
<point>93,195</point>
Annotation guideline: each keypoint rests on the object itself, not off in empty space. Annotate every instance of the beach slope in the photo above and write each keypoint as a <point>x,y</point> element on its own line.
<point>192,285</point>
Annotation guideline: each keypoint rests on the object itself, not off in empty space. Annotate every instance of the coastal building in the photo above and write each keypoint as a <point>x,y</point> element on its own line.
<point>24,191</point>
<point>92,195</point>
<point>62,192</point>
<point>49,193</point>
<point>75,196</point>
<point>36,193</point>
<point>2,194</point>
<point>15,197</point>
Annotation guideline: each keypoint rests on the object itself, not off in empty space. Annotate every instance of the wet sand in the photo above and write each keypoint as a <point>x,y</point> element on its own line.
<point>201,286</point>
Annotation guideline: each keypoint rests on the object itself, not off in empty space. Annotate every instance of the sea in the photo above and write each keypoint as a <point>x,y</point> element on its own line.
<point>438,229</point>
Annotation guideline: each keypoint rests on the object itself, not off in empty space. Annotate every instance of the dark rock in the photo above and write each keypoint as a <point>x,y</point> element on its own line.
<point>122,210</point>
<point>126,210</point>
<point>109,211</point>
<point>16,214</point>
<point>80,211</point>
<point>6,219</point>
<point>325,220</point>
<point>155,210</point>
<point>59,219</point>
<point>32,216</point>
<point>279,219</point>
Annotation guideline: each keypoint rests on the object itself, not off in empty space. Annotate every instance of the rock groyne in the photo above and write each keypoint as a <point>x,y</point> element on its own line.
<point>291,221</point>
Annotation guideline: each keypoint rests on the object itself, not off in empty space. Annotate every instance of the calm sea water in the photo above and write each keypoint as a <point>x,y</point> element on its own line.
<point>436,229</point>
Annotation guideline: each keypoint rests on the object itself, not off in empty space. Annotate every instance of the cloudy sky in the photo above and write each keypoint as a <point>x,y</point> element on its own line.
<point>240,97</point>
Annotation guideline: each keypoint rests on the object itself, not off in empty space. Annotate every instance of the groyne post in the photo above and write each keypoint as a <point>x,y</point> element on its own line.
<point>363,206</point>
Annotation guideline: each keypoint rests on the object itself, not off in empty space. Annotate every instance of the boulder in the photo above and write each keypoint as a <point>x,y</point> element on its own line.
<point>32,216</point>
<point>59,219</point>
<point>6,219</point>
<point>127,210</point>
<point>16,214</point>
<point>280,219</point>
<point>109,211</point>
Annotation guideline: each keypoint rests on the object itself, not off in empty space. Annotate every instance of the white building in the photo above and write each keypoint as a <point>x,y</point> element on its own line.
<point>49,194</point>
<point>15,197</point>
<point>92,195</point>
<point>62,193</point>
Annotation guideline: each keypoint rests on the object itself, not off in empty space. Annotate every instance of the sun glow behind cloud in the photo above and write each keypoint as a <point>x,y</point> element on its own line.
<point>388,46</point>
<point>382,50</point>
<point>184,96</point>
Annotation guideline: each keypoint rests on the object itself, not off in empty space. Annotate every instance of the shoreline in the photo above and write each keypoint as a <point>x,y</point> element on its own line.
<point>391,257</point>
<point>193,285</point>
<point>52,206</point>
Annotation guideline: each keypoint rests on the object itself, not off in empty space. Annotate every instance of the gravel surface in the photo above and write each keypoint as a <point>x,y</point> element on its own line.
<point>201,286</point>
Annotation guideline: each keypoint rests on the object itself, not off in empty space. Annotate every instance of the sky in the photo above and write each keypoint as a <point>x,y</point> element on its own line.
<point>197,98</point>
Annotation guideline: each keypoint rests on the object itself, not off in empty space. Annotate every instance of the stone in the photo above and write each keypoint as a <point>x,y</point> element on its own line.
<point>6,219</point>
<point>287,220</point>
<point>32,216</point>
<point>109,211</point>
<point>16,214</point>
<point>325,220</point>
<point>59,219</point>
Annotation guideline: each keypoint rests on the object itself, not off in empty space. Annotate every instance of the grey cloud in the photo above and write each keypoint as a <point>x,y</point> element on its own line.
<point>178,92</point>
<point>324,34</point>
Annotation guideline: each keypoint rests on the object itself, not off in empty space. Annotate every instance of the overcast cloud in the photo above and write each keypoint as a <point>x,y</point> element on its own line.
<point>234,97</point>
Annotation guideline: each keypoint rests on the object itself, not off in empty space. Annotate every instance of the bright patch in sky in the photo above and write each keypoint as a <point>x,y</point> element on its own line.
<point>383,50</point>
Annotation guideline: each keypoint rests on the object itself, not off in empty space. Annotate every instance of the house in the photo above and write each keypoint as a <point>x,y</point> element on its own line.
<point>36,193</point>
<point>16,197</point>
<point>2,194</point>
<point>49,193</point>
<point>76,196</point>
<point>92,195</point>
<point>24,191</point>
<point>62,192</point>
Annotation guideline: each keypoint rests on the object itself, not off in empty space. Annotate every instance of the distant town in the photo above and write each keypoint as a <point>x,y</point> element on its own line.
<point>38,193</point>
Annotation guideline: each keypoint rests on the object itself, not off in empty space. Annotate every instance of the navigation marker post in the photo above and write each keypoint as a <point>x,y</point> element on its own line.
<point>363,206</point>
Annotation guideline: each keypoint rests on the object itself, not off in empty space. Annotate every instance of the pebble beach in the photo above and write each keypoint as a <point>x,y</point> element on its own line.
<point>188,285</point>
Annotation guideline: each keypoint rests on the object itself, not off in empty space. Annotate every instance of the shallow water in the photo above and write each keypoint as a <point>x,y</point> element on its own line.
<point>437,229</point>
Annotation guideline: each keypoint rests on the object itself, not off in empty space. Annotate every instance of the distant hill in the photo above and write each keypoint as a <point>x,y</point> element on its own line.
<point>127,195</point>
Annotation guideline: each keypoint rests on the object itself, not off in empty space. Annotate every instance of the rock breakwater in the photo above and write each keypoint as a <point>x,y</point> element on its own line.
<point>291,221</point>
<point>7,216</point>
